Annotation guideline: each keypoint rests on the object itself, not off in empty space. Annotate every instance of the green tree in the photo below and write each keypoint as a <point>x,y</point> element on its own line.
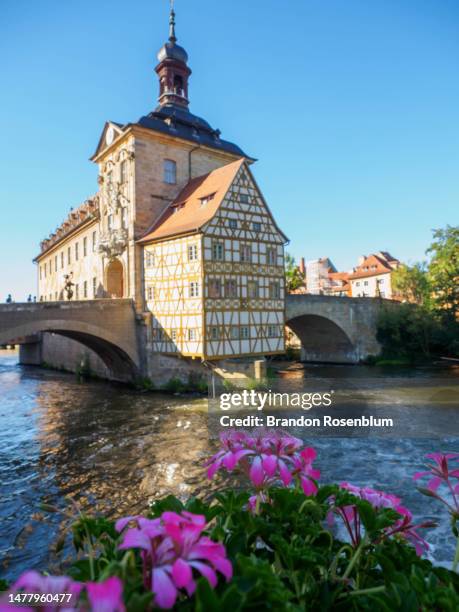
<point>406,331</point>
<point>294,278</point>
<point>411,283</point>
<point>443,271</point>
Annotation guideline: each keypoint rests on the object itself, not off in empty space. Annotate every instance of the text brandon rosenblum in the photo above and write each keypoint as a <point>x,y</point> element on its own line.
<point>303,421</point>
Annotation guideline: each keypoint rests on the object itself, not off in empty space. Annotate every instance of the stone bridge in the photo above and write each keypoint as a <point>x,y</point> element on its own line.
<point>107,327</point>
<point>330,329</point>
<point>334,329</point>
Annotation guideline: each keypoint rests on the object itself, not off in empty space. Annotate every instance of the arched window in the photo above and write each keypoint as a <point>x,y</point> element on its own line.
<point>178,84</point>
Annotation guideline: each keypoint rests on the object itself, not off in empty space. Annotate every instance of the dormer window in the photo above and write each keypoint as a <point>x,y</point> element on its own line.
<point>170,171</point>
<point>207,199</point>
<point>178,207</point>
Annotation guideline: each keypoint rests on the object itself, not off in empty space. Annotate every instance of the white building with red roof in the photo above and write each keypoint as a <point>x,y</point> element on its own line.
<point>373,276</point>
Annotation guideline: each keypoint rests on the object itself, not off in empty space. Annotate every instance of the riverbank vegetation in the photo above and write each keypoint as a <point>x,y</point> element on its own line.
<point>285,542</point>
<point>426,324</point>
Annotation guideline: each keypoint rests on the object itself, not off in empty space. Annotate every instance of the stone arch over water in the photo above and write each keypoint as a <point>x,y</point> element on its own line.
<point>322,340</point>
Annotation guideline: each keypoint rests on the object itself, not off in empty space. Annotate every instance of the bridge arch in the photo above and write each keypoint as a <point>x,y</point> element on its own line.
<point>322,339</point>
<point>334,329</point>
<point>109,329</point>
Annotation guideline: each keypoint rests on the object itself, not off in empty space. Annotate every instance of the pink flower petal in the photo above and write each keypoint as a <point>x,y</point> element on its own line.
<point>106,596</point>
<point>122,522</point>
<point>284,472</point>
<point>309,488</point>
<point>256,472</point>
<point>234,458</point>
<point>223,566</point>
<point>269,463</point>
<point>213,468</point>
<point>309,454</point>
<point>205,571</point>
<point>420,475</point>
<point>31,580</point>
<point>181,573</point>
<point>434,483</point>
<point>134,538</point>
<point>163,588</point>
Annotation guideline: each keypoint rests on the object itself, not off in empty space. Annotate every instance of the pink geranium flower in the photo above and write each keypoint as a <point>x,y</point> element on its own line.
<point>103,596</point>
<point>403,527</point>
<point>443,471</point>
<point>172,550</point>
<point>266,458</point>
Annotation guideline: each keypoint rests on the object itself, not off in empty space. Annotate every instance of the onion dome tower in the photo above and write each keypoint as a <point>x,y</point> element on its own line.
<point>173,71</point>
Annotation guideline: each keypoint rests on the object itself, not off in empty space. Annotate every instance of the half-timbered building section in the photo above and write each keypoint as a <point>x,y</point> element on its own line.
<point>243,274</point>
<point>214,277</point>
<point>173,293</point>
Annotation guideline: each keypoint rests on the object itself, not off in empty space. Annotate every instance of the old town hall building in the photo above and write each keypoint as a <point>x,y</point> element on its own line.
<point>179,225</point>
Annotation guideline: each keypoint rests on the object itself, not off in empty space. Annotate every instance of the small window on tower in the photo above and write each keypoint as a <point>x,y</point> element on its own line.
<point>170,171</point>
<point>178,85</point>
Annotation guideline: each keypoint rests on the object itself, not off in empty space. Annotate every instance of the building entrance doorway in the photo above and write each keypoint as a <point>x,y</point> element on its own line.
<point>114,279</point>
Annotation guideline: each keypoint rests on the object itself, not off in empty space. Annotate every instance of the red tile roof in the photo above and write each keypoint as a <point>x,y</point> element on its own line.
<point>373,265</point>
<point>187,213</point>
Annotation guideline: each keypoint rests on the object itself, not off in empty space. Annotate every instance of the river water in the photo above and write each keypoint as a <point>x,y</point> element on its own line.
<point>111,449</point>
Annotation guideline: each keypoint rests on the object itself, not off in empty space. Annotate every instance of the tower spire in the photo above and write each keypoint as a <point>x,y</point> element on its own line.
<point>172,69</point>
<point>172,36</point>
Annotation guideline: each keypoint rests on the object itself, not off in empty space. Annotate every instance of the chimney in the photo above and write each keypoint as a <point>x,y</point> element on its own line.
<point>302,266</point>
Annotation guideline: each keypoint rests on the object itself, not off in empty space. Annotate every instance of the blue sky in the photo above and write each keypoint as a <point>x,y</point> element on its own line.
<point>351,107</point>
